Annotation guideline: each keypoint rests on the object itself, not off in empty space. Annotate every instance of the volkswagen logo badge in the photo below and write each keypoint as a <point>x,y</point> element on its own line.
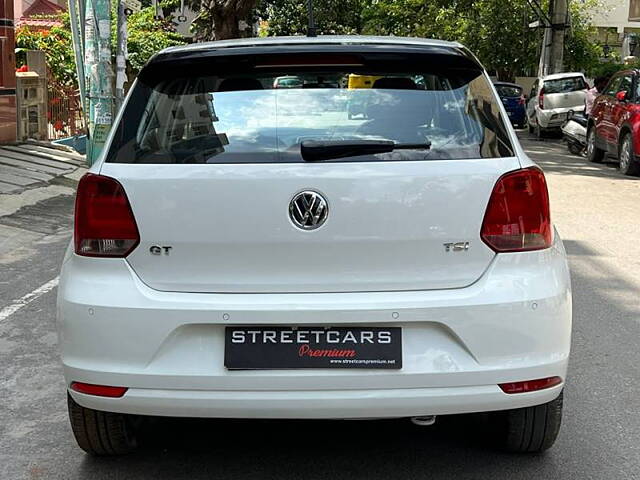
<point>308,210</point>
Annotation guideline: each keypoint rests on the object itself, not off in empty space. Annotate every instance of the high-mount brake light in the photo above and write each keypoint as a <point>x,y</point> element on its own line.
<point>517,218</point>
<point>104,222</point>
<point>309,60</point>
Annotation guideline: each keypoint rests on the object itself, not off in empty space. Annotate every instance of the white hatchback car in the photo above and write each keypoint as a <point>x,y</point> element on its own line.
<point>552,98</point>
<point>242,251</point>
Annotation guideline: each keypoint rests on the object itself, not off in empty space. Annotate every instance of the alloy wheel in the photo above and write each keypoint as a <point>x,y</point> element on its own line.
<point>624,153</point>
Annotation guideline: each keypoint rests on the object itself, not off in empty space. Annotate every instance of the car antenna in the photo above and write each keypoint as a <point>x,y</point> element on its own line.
<point>311,29</point>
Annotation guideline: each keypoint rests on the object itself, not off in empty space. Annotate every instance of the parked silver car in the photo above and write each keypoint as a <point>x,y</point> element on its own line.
<point>551,99</point>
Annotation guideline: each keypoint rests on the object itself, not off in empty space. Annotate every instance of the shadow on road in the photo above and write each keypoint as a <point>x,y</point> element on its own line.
<point>312,449</point>
<point>552,159</point>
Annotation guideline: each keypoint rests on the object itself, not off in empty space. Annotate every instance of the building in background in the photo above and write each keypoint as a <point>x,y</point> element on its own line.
<point>7,73</point>
<point>617,25</point>
<point>37,14</point>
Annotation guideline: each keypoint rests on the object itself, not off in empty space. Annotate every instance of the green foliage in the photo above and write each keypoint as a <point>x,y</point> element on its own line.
<point>148,36</point>
<point>581,52</point>
<point>332,17</point>
<point>495,30</point>
<point>57,46</point>
<point>607,69</point>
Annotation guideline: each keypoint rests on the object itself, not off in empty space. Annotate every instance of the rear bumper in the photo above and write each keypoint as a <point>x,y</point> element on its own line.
<point>324,404</point>
<point>513,324</point>
<point>555,118</point>
<point>516,115</point>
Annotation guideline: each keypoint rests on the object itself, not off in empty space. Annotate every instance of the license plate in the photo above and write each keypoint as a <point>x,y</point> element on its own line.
<point>264,348</point>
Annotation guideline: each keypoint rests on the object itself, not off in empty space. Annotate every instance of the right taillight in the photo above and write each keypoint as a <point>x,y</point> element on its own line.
<point>541,99</point>
<point>517,217</point>
<point>104,223</point>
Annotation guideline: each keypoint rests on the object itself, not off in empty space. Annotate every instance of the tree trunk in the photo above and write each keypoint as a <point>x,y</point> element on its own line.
<point>225,18</point>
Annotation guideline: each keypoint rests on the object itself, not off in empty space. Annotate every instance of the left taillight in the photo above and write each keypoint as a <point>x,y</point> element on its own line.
<point>104,222</point>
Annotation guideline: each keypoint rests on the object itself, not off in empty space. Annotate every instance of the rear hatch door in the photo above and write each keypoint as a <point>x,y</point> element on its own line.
<point>209,155</point>
<point>389,226</point>
<point>564,93</point>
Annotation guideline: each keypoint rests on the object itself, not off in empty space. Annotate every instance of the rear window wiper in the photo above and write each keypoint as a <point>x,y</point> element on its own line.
<point>318,150</point>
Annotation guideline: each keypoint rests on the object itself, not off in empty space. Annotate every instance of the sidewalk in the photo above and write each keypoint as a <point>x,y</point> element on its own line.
<point>35,171</point>
<point>31,165</point>
<point>37,187</point>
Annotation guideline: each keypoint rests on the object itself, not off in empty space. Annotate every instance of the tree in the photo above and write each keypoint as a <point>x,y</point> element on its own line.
<point>56,45</point>
<point>332,17</point>
<point>147,36</point>
<point>581,53</point>
<point>495,30</point>
<point>222,19</point>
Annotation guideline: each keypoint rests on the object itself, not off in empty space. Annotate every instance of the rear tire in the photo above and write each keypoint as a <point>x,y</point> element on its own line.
<point>101,433</point>
<point>594,154</point>
<point>574,148</point>
<point>628,163</point>
<point>530,429</point>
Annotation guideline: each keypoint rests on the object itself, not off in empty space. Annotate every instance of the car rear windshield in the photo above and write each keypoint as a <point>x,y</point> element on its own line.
<point>564,85</point>
<point>509,91</point>
<point>261,115</point>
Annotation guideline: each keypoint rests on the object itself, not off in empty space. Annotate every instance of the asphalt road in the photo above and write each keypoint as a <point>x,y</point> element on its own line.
<point>597,212</point>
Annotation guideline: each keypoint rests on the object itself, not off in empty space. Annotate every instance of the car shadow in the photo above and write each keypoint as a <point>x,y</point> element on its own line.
<point>371,449</point>
<point>554,157</point>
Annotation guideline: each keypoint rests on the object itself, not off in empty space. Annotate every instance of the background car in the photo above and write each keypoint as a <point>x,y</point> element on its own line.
<point>551,98</point>
<point>513,101</point>
<point>614,126</point>
<point>287,82</point>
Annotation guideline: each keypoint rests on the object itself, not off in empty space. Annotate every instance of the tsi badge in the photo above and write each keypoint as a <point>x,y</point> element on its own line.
<point>456,247</point>
<point>158,250</point>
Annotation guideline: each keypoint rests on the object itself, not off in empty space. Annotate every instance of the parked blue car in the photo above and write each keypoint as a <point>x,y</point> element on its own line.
<point>514,102</point>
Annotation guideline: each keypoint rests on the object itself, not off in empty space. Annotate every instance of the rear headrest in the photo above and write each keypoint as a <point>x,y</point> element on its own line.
<point>395,83</point>
<point>237,84</point>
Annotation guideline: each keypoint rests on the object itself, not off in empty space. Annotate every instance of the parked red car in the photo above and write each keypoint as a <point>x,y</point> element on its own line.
<point>614,123</point>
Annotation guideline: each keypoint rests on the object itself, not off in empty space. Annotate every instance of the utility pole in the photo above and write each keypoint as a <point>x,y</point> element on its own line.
<point>543,66</point>
<point>121,56</point>
<point>99,75</point>
<point>554,24</point>
<point>311,30</point>
<point>559,18</point>
<point>78,49</point>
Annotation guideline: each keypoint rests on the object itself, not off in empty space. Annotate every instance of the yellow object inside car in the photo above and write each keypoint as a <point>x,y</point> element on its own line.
<point>361,81</point>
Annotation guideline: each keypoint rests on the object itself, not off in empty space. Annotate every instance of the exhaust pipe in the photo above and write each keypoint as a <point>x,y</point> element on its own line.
<point>425,421</point>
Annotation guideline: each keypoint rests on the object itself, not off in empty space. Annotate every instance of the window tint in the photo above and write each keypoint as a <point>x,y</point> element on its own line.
<point>564,85</point>
<point>612,88</point>
<point>626,84</point>
<point>508,91</point>
<point>263,118</point>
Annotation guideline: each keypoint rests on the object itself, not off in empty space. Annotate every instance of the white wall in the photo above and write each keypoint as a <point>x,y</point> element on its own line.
<point>614,13</point>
